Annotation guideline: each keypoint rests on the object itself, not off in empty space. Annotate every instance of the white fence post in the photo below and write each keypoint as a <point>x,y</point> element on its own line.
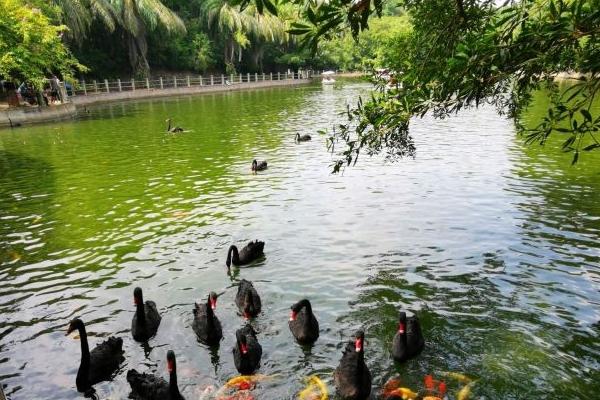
<point>248,76</point>
<point>147,83</point>
<point>161,82</point>
<point>212,82</point>
<point>133,84</point>
<point>175,81</point>
<point>188,80</point>
<point>106,84</point>
<point>263,77</point>
<point>200,79</point>
<point>95,86</point>
<point>278,76</point>
<point>255,77</point>
<point>84,88</point>
<point>222,79</point>
<point>119,83</point>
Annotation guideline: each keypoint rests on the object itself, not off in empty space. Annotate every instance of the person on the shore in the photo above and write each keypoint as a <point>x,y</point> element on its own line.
<point>55,86</point>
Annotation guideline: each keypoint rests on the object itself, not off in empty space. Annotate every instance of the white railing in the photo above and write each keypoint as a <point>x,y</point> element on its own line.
<point>85,88</point>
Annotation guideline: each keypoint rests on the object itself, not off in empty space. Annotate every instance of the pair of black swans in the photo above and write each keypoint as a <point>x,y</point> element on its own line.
<point>352,377</point>
<point>262,165</point>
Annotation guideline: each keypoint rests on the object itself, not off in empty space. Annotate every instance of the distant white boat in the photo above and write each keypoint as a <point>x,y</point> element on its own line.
<point>328,77</point>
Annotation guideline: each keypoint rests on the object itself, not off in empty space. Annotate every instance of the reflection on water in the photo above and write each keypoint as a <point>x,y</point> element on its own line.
<point>495,245</point>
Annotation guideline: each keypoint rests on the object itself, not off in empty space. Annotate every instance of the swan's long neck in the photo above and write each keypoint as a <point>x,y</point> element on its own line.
<point>233,250</point>
<point>308,307</point>
<point>173,388</point>
<point>141,312</point>
<point>360,364</point>
<point>210,314</point>
<point>84,367</point>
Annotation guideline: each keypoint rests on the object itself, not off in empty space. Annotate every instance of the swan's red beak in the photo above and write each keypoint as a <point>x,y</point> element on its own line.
<point>246,315</point>
<point>243,348</point>
<point>358,345</point>
<point>213,304</point>
<point>293,316</point>
<point>401,328</point>
<point>170,366</point>
<point>442,388</point>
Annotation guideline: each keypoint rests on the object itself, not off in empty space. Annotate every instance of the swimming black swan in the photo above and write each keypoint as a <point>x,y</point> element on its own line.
<point>303,324</point>
<point>146,318</point>
<point>352,378</point>
<point>408,341</point>
<point>99,364</point>
<point>303,138</point>
<point>206,324</point>
<point>174,129</point>
<point>259,166</point>
<point>251,252</point>
<point>247,300</point>
<point>150,387</point>
<point>247,351</point>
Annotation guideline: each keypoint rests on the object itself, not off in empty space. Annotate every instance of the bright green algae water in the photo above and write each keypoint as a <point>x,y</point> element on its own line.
<point>495,244</point>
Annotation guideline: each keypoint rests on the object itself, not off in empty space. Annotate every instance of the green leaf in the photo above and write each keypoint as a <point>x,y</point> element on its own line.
<point>586,114</point>
<point>575,158</point>
<point>270,6</point>
<point>568,142</point>
<point>592,147</point>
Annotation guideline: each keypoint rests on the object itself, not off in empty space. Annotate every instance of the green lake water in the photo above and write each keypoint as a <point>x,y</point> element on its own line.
<point>494,244</point>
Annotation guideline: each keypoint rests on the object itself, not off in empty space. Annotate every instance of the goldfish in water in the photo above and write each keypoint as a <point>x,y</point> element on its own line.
<point>465,392</point>
<point>314,390</point>
<point>457,376</point>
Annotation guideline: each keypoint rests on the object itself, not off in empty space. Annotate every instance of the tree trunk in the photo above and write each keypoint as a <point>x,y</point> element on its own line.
<point>138,49</point>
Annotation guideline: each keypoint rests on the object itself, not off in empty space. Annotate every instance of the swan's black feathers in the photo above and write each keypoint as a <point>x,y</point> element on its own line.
<point>249,362</point>
<point>143,332</point>
<point>207,333</point>
<point>147,386</point>
<point>246,288</point>
<point>105,359</point>
<point>352,377</point>
<point>305,327</point>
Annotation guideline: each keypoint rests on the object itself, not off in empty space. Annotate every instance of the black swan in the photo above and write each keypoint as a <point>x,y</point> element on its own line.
<point>206,324</point>
<point>303,138</point>
<point>151,387</point>
<point>173,129</point>
<point>352,378</point>
<point>303,324</point>
<point>247,351</point>
<point>408,341</point>
<point>99,364</point>
<point>251,252</point>
<point>146,318</point>
<point>259,166</point>
<point>247,299</point>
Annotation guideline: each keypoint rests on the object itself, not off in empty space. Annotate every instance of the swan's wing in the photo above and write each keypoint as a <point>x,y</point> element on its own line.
<point>107,356</point>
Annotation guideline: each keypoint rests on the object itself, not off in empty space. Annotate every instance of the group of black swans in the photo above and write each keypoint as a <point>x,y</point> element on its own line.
<point>352,377</point>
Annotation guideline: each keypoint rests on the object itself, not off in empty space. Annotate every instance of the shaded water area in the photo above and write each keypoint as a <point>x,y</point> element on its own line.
<point>494,244</point>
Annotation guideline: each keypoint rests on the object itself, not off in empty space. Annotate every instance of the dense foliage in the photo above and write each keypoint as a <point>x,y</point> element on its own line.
<point>30,45</point>
<point>464,53</point>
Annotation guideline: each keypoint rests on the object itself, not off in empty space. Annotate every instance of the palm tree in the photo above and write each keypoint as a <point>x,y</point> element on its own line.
<point>78,15</point>
<point>241,28</point>
<point>134,17</point>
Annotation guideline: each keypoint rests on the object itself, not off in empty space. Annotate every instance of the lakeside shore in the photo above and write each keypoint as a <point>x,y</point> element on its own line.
<point>14,117</point>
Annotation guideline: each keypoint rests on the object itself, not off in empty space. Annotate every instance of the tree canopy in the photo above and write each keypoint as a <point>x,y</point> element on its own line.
<point>30,45</point>
<point>464,53</point>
